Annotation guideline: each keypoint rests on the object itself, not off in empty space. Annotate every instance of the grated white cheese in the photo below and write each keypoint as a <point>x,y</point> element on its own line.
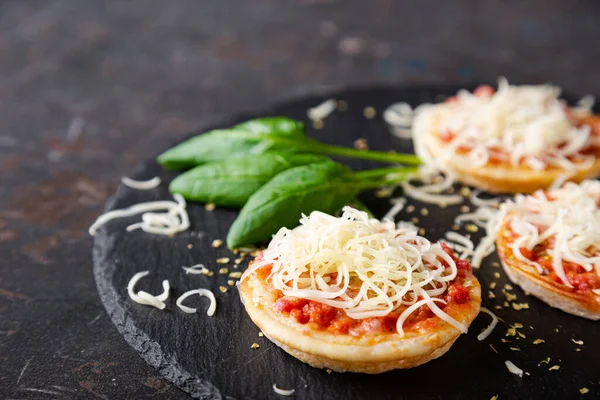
<point>283,392</point>
<point>383,266</point>
<point>202,292</point>
<point>485,217</point>
<point>487,331</point>
<point>429,193</point>
<point>146,298</point>
<point>174,219</point>
<point>478,202</point>
<point>524,124</point>
<point>321,111</point>
<point>461,244</point>
<point>514,369</point>
<point>198,269</point>
<point>141,185</point>
<point>400,117</point>
<point>398,206</point>
<point>585,104</point>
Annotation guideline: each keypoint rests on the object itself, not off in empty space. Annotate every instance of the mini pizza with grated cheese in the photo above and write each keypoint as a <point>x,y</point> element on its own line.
<point>358,294</point>
<point>549,244</point>
<point>516,139</point>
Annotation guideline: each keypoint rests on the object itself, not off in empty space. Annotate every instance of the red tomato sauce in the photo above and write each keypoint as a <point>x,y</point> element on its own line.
<point>335,320</point>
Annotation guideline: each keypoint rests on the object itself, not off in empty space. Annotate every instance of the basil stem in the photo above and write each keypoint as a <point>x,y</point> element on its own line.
<point>382,156</point>
<point>259,136</point>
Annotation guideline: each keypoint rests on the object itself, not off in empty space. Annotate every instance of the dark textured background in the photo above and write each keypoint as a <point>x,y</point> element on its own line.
<point>88,89</point>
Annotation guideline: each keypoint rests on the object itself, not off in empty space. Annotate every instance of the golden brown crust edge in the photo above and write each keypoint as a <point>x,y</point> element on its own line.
<point>505,178</point>
<point>363,367</point>
<point>552,294</point>
<point>344,353</point>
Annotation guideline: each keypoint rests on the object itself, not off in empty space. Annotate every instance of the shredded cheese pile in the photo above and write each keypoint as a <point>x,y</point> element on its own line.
<point>570,215</point>
<point>363,266</point>
<point>524,124</point>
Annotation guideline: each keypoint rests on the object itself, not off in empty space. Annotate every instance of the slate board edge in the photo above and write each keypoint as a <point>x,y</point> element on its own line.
<point>148,349</point>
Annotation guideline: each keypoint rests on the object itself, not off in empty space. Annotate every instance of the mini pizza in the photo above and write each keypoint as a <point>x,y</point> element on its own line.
<point>549,244</point>
<point>517,139</point>
<point>356,294</point>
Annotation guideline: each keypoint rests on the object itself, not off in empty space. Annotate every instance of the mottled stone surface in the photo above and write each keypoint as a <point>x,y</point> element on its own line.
<point>88,89</point>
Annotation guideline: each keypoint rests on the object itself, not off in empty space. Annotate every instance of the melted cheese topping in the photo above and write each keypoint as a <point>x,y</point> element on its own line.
<point>523,124</point>
<point>363,266</point>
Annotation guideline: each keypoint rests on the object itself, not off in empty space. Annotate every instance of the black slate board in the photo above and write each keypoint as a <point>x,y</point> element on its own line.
<point>211,358</point>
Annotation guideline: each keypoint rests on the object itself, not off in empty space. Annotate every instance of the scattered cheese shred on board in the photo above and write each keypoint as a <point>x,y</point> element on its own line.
<point>479,202</point>
<point>198,269</point>
<point>513,368</point>
<point>487,331</point>
<point>430,192</point>
<point>321,111</point>
<point>146,298</point>
<point>399,204</point>
<point>202,292</point>
<point>141,185</point>
<point>283,392</point>
<point>461,244</point>
<point>174,218</point>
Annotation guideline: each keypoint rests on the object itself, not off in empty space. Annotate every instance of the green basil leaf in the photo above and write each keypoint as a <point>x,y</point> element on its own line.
<point>230,183</point>
<point>283,200</point>
<point>253,137</point>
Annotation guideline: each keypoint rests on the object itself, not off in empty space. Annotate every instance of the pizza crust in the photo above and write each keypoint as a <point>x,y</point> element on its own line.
<point>371,353</point>
<point>552,293</point>
<point>504,178</point>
